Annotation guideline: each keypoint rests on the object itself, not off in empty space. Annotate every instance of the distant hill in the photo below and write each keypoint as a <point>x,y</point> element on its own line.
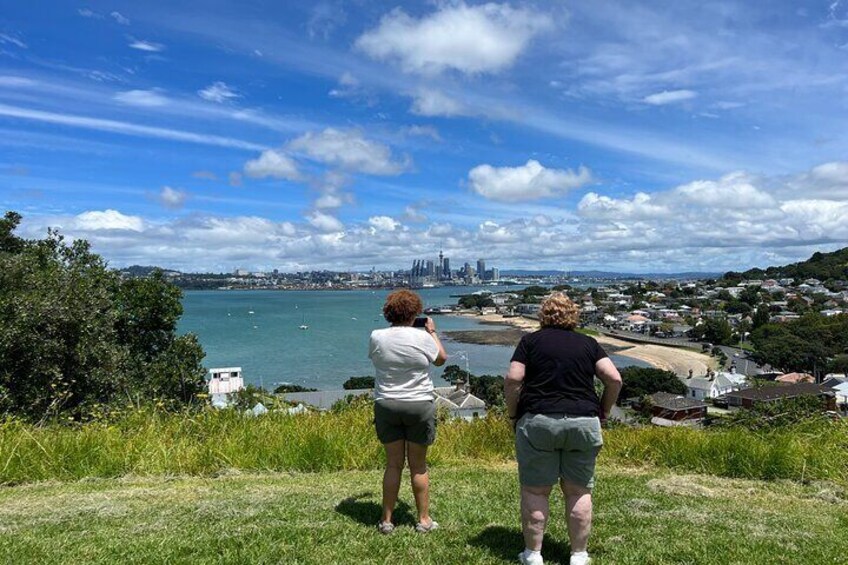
<point>140,270</point>
<point>607,274</point>
<point>822,266</point>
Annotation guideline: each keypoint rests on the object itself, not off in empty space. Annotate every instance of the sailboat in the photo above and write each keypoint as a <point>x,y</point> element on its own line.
<point>303,325</point>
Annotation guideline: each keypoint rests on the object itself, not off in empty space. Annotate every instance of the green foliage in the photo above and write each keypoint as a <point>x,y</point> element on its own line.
<point>476,301</point>
<point>822,266</point>
<point>73,335</point>
<point>642,381</point>
<point>806,344</point>
<point>714,330</point>
<point>776,414</point>
<point>355,383</point>
<point>285,388</point>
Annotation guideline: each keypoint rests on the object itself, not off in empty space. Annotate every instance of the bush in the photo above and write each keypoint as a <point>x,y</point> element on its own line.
<point>638,382</point>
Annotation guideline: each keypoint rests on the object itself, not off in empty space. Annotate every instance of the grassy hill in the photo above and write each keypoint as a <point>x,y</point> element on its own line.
<point>822,266</point>
<point>219,487</point>
<point>643,516</point>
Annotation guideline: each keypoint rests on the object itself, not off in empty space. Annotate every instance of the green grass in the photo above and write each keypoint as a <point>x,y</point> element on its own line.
<point>641,517</point>
<point>149,443</point>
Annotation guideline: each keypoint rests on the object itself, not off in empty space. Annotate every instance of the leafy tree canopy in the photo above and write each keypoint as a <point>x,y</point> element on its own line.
<point>73,334</point>
<point>641,381</point>
<point>355,383</point>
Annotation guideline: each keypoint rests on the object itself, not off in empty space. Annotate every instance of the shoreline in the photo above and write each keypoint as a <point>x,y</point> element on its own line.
<point>679,361</point>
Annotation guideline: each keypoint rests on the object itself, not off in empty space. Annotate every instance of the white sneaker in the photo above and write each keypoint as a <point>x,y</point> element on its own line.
<point>581,559</point>
<point>528,558</point>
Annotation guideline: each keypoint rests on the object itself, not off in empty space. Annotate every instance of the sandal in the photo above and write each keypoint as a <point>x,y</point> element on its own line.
<point>425,529</point>
<point>386,527</point>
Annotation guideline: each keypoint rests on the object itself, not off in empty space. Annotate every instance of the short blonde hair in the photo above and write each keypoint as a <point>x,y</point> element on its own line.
<point>558,311</point>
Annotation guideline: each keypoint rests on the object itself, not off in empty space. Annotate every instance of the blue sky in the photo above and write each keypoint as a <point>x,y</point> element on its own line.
<point>639,136</point>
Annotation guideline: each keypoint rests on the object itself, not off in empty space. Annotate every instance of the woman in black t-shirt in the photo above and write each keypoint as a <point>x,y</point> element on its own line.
<point>550,395</point>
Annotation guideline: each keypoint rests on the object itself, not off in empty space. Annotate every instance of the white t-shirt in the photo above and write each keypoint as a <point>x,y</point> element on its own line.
<point>402,356</point>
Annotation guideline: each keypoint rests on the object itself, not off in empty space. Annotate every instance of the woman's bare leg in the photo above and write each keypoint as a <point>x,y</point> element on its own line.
<point>395,452</point>
<point>417,457</point>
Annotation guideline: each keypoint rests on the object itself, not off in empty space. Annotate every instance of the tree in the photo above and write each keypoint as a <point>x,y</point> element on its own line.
<point>641,381</point>
<point>355,383</point>
<point>716,331</point>
<point>72,334</point>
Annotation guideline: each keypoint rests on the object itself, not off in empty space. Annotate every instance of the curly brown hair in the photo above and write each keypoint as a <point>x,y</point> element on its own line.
<point>558,311</point>
<point>402,306</point>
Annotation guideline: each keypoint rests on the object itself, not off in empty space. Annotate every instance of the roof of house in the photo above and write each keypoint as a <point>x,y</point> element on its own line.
<point>784,391</point>
<point>324,399</point>
<point>699,383</point>
<point>454,399</point>
<point>675,402</point>
<point>795,378</point>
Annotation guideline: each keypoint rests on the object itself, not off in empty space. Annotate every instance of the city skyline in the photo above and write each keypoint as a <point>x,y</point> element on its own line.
<point>613,136</point>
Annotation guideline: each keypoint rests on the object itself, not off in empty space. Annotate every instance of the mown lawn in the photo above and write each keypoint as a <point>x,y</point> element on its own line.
<point>643,516</point>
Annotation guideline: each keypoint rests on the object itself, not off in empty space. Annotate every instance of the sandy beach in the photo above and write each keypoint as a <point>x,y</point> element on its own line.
<point>674,359</point>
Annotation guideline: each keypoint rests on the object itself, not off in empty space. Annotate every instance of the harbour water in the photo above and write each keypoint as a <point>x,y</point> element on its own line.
<point>260,332</point>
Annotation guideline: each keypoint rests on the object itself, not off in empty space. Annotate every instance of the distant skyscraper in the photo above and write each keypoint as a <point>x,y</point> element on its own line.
<point>446,272</point>
<point>481,269</point>
<point>496,274</point>
<point>431,268</point>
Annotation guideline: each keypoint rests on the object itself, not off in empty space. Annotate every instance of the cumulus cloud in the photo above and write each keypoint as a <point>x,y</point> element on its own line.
<point>324,222</point>
<point>432,102</point>
<point>422,131</point>
<point>383,223</point>
<point>669,97</point>
<point>531,181</point>
<point>471,39</point>
<point>350,151</point>
<point>218,92</point>
<point>148,46</point>
<point>172,198</point>
<point>143,98</point>
<point>669,230</point>
<point>107,220</point>
<point>274,164</point>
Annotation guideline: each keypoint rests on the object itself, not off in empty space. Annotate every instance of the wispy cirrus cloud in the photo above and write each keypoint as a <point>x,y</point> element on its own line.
<point>126,128</point>
<point>147,46</point>
<point>669,97</point>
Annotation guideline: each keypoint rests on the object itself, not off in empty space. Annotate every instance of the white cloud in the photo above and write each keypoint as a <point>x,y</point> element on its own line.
<point>383,223</point>
<point>324,222</point>
<point>16,82</point>
<point>148,46</point>
<point>5,38</point>
<point>328,201</point>
<point>218,92</point>
<point>126,128</point>
<point>528,182</point>
<point>471,39</point>
<point>348,150</point>
<point>431,102</point>
<point>120,18</point>
<point>172,198</point>
<point>422,131</point>
<point>272,163</point>
<point>669,97</point>
<point>144,98</point>
<point>107,220</point>
<point>86,13</point>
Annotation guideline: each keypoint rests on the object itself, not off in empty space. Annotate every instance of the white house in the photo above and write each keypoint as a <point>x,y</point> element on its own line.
<point>224,382</point>
<point>459,402</point>
<point>713,385</point>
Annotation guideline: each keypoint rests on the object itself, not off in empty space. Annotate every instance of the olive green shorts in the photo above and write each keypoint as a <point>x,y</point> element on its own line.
<point>412,421</point>
<point>550,447</point>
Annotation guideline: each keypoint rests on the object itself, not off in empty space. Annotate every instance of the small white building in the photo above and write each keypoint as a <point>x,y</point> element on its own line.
<point>459,402</point>
<point>223,383</point>
<point>713,385</point>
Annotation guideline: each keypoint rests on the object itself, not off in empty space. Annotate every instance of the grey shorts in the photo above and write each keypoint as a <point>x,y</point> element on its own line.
<point>550,447</point>
<point>411,421</point>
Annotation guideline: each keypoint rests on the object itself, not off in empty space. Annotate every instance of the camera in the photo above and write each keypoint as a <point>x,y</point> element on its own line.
<point>419,323</point>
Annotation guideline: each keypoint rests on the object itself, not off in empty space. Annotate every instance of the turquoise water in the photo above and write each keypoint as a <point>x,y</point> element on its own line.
<point>270,347</point>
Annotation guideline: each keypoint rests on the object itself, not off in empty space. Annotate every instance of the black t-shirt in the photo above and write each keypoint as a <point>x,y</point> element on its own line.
<point>560,373</point>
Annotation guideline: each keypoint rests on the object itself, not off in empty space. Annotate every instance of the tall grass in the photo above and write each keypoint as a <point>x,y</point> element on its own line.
<point>207,443</point>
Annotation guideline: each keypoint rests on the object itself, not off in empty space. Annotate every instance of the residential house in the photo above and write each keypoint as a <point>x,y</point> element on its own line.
<point>747,398</point>
<point>676,410</point>
<point>713,385</point>
<point>459,402</point>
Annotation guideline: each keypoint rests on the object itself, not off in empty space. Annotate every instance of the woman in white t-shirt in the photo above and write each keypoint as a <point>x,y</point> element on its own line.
<point>404,407</point>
